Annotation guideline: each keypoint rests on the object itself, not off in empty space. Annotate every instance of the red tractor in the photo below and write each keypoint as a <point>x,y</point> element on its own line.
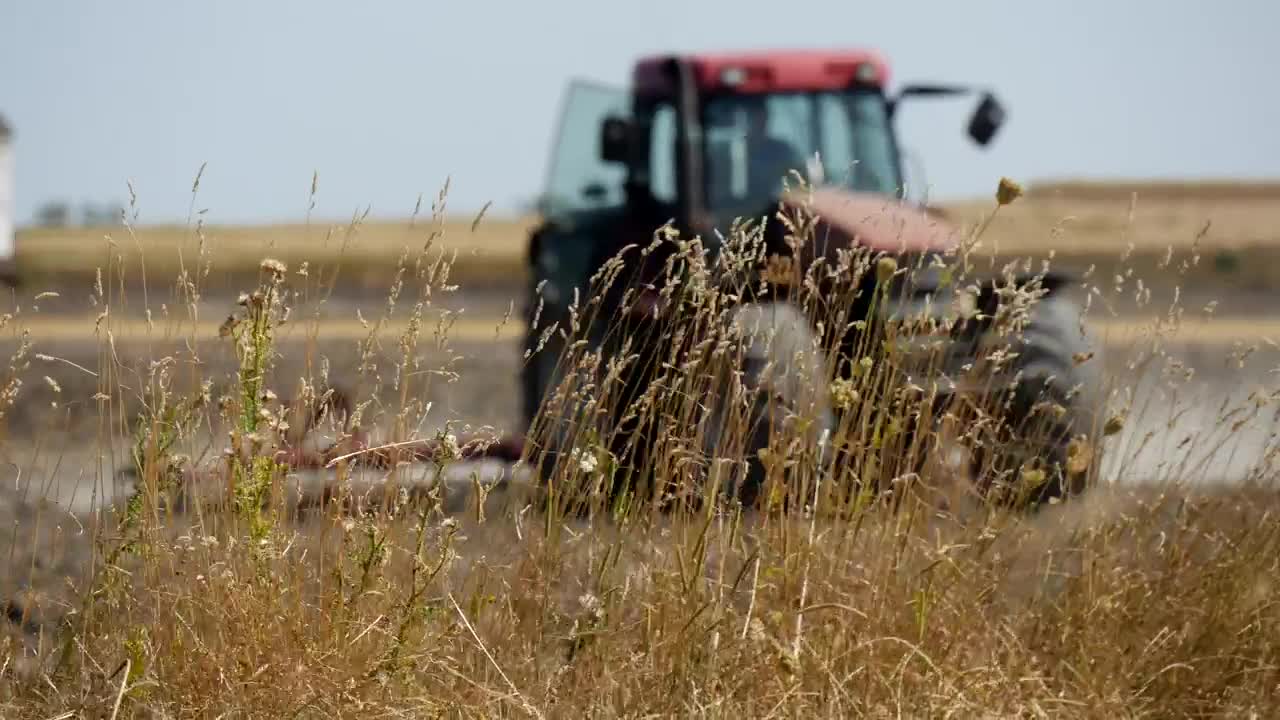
<point>699,141</point>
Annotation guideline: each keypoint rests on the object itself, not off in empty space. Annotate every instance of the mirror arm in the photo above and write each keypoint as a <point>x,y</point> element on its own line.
<point>922,90</point>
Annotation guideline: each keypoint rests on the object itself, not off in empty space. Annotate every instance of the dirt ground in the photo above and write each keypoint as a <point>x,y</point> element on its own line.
<point>54,429</point>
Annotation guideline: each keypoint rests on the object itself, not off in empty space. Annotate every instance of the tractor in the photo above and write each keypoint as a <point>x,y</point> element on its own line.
<point>698,144</point>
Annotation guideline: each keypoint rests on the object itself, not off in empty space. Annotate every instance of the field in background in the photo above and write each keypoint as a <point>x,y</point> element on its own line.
<point>367,250</point>
<point>1235,225</point>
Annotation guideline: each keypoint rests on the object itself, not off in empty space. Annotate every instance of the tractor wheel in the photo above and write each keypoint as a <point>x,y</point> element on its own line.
<point>778,396</point>
<point>1044,445</point>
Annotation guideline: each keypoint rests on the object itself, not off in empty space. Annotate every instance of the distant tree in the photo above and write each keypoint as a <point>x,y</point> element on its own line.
<point>98,215</point>
<point>53,214</point>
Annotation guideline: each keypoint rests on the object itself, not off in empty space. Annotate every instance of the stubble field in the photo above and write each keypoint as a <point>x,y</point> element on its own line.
<point>1132,599</point>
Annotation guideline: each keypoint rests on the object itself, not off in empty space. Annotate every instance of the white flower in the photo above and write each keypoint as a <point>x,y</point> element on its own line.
<point>587,462</point>
<point>592,605</point>
<point>273,266</point>
<point>448,449</point>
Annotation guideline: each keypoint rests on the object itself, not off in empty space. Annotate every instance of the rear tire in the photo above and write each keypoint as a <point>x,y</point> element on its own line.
<point>1055,398</point>
<point>779,394</point>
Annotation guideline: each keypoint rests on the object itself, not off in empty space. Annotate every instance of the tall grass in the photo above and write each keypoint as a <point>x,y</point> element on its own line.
<point>873,576</point>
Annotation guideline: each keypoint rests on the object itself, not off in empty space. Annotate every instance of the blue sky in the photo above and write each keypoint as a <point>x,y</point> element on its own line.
<point>385,99</point>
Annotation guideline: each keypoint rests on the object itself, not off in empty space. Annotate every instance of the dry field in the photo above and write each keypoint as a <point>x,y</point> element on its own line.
<point>1235,226</point>
<point>1140,599</point>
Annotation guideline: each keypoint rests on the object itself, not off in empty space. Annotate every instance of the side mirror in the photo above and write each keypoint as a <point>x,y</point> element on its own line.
<point>615,139</point>
<point>987,119</point>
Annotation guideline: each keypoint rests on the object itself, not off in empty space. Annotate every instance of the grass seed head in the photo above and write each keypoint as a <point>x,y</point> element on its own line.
<point>276,268</point>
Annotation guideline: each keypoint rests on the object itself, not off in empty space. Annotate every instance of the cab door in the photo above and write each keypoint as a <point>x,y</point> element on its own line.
<point>578,180</point>
<point>582,200</point>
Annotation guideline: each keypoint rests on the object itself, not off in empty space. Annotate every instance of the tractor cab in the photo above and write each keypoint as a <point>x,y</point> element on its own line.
<point>705,139</point>
<point>699,141</point>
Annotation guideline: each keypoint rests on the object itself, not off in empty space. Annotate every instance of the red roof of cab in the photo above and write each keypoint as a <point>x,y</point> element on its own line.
<point>768,70</point>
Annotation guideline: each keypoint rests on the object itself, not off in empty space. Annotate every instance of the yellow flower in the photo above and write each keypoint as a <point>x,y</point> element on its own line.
<point>1007,191</point>
<point>844,394</point>
<point>885,268</point>
<point>1079,456</point>
<point>1114,425</point>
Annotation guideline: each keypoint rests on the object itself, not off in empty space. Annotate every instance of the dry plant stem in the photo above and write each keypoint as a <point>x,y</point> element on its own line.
<point>489,656</point>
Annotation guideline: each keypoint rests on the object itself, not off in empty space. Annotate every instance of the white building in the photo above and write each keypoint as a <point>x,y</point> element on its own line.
<point>6,193</point>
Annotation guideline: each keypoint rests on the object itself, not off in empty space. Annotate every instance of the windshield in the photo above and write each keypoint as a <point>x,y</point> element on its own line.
<point>831,138</point>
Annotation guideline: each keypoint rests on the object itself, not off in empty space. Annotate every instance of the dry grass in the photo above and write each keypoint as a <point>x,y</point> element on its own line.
<point>862,586</point>
<point>1157,606</point>
<point>1156,190</point>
